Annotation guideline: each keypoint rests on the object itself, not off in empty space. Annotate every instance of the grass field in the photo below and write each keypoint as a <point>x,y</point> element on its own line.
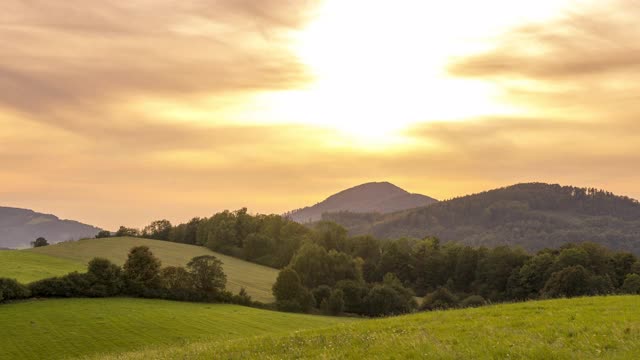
<point>585,328</point>
<point>64,328</point>
<point>29,266</point>
<point>256,279</point>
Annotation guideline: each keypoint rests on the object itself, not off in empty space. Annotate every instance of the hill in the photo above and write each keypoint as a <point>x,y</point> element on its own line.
<point>585,328</point>
<point>27,266</point>
<point>64,328</point>
<point>376,197</point>
<point>19,227</point>
<point>533,216</point>
<point>256,279</point>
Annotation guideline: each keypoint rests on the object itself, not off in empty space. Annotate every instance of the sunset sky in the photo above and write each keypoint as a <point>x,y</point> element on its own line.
<point>122,112</point>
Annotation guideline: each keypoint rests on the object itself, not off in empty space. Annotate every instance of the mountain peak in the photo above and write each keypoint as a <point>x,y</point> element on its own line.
<point>381,197</point>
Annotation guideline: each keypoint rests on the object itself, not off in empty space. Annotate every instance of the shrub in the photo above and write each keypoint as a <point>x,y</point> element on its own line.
<point>631,284</point>
<point>473,301</point>
<point>441,299</point>
<point>11,289</point>
<point>384,300</point>
<point>242,298</point>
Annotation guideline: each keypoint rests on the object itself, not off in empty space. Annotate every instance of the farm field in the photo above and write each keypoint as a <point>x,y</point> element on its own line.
<point>27,266</point>
<point>68,328</point>
<point>256,279</point>
<point>583,328</point>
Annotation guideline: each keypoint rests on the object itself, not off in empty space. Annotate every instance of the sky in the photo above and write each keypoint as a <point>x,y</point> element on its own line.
<point>120,113</point>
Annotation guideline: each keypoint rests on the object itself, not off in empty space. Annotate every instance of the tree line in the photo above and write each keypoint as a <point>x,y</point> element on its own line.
<point>142,275</point>
<point>533,216</point>
<point>325,269</point>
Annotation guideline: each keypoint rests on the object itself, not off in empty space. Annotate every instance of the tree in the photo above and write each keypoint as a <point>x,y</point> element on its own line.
<point>568,282</point>
<point>287,286</point>
<point>178,283</point>
<point>39,242</point>
<point>141,271</point>
<point>158,230</point>
<point>631,284</point>
<point>335,303</point>
<point>103,234</point>
<point>290,294</point>
<point>321,293</point>
<point>105,277</point>
<point>257,245</point>
<point>208,276</point>
<point>384,300</point>
<point>124,231</point>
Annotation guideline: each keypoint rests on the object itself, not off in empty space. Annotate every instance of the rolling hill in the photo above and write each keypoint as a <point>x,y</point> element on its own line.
<point>26,266</point>
<point>376,197</point>
<point>256,279</point>
<point>584,328</point>
<point>65,328</point>
<point>19,227</point>
<point>533,216</point>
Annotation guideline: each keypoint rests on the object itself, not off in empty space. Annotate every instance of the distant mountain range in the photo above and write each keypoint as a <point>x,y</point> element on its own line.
<point>19,227</point>
<point>533,216</point>
<point>375,197</point>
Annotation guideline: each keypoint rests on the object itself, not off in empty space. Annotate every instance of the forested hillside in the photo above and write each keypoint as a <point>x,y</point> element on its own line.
<point>534,216</point>
<point>19,227</point>
<point>378,197</point>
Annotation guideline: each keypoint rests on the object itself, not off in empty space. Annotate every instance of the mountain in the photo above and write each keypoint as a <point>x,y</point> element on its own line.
<point>19,227</point>
<point>533,216</point>
<point>375,197</point>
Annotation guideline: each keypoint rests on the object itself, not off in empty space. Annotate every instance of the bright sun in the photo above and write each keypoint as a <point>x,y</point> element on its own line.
<point>380,66</point>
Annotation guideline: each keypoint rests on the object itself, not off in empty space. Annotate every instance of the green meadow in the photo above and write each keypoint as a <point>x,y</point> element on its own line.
<point>582,328</point>
<point>27,266</point>
<point>67,328</point>
<point>256,279</point>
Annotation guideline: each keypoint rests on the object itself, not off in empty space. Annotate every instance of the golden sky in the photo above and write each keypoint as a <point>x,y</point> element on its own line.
<point>123,112</point>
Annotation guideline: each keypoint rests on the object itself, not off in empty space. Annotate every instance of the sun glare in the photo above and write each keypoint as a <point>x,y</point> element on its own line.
<point>380,66</point>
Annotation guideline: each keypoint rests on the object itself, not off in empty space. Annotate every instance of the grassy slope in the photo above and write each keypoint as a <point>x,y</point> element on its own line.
<point>29,266</point>
<point>255,278</point>
<point>63,328</point>
<point>586,328</point>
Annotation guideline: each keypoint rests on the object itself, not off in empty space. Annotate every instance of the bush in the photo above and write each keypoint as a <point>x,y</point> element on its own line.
<point>11,289</point>
<point>473,301</point>
<point>242,298</point>
<point>383,300</point>
<point>441,299</point>
<point>177,283</point>
<point>631,284</point>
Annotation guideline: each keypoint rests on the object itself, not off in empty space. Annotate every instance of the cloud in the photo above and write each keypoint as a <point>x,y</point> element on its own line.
<point>85,54</point>
<point>598,41</point>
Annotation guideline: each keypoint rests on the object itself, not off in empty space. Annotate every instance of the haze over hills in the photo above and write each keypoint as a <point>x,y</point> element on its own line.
<point>19,227</point>
<point>374,197</point>
<point>534,216</point>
